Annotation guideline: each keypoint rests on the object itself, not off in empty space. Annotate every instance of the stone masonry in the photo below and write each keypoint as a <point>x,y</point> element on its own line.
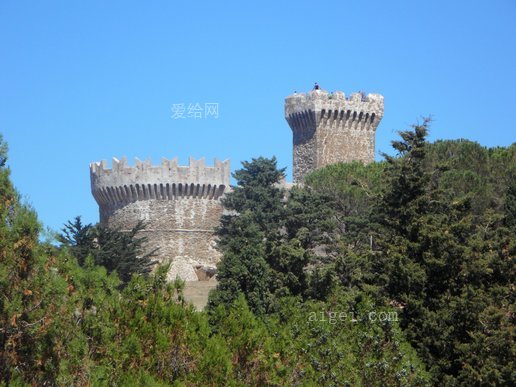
<point>180,205</point>
<point>330,128</point>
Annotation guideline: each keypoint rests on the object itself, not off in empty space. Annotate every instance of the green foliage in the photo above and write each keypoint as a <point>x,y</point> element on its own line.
<point>243,269</point>
<point>115,250</point>
<point>431,231</point>
<point>256,210</point>
<point>353,186</point>
<point>352,191</point>
<point>257,192</point>
<point>272,242</point>
<point>426,238</point>
<point>3,151</point>
<point>443,253</point>
<point>342,342</point>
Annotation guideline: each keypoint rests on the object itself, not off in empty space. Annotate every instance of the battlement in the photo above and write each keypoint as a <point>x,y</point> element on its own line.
<point>329,127</point>
<point>181,205</point>
<point>168,181</point>
<point>302,109</point>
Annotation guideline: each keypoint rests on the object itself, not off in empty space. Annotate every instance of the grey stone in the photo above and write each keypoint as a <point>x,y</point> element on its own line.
<point>330,128</point>
<point>181,204</point>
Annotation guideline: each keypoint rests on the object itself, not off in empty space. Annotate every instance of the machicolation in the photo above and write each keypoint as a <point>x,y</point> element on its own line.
<point>329,128</point>
<point>181,204</point>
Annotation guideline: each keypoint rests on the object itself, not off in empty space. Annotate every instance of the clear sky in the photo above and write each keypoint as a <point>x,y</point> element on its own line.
<point>84,81</point>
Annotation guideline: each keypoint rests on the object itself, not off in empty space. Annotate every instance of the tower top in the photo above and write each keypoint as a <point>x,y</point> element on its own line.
<point>143,172</point>
<point>329,128</point>
<point>317,100</point>
<point>169,181</point>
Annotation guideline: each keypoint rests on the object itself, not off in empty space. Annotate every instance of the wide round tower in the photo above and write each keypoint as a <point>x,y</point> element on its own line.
<point>329,128</point>
<point>179,204</point>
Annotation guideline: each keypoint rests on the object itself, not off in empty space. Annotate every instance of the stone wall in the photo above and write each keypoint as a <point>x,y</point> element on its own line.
<point>180,206</point>
<point>330,128</point>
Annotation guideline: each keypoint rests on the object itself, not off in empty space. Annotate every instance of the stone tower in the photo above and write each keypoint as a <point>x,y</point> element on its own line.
<point>330,128</point>
<point>180,205</point>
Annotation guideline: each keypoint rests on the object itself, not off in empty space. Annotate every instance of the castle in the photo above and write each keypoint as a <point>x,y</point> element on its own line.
<point>181,204</point>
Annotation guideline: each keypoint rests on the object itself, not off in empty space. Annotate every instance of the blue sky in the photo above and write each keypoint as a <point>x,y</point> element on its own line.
<point>85,81</point>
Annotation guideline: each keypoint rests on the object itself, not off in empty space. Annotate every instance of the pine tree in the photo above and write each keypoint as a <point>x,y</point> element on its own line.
<point>273,243</point>
<point>118,251</point>
<point>246,233</point>
<point>435,259</point>
<point>243,268</point>
<point>33,307</point>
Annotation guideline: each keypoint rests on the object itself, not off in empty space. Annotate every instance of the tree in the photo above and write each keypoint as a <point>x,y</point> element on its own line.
<point>257,190</point>
<point>273,242</point>
<point>118,251</point>
<point>243,268</point>
<point>437,254</point>
<point>31,292</point>
<point>3,151</point>
<point>351,191</point>
<point>246,234</point>
<point>303,257</point>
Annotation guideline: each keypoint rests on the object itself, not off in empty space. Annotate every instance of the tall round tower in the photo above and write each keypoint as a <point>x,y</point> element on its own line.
<point>179,204</point>
<point>330,128</point>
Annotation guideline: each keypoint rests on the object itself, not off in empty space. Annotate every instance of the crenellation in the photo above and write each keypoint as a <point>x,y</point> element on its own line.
<point>128,194</point>
<point>182,204</point>
<point>196,171</point>
<point>330,127</point>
